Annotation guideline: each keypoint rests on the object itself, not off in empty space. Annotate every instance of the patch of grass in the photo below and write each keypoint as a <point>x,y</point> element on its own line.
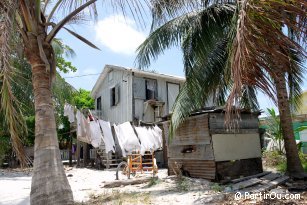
<point>275,159</point>
<point>119,198</point>
<point>216,187</point>
<point>183,184</point>
<point>153,181</point>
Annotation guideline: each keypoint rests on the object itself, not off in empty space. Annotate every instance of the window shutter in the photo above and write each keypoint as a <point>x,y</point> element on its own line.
<point>117,94</point>
<point>139,88</point>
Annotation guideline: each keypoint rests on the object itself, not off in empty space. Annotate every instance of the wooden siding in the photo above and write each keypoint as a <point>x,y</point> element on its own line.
<point>122,112</point>
<point>193,131</point>
<point>196,168</point>
<point>236,146</point>
<point>199,152</point>
<point>139,95</point>
<point>191,149</point>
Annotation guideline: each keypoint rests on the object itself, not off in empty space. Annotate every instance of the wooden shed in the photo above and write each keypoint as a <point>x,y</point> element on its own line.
<point>203,147</point>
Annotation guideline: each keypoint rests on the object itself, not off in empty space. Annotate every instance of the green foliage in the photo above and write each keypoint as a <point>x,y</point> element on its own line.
<point>29,140</point>
<point>273,158</point>
<point>153,181</point>
<point>83,100</point>
<point>279,161</point>
<point>216,187</point>
<point>183,184</point>
<point>61,50</point>
<point>273,129</point>
<point>203,35</point>
<point>5,147</point>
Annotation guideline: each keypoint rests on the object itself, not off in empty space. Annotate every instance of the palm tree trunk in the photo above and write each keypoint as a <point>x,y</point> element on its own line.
<point>49,182</point>
<point>294,166</point>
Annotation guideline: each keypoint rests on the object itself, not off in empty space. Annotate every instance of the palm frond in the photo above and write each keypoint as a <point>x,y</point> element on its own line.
<point>175,31</point>
<point>261,49</point>
<point>208,78</point>
<point>13,116</point>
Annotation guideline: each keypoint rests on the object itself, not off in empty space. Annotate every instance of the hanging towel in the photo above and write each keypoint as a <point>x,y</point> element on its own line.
<point>157,132</point>
<point>83,128</point>
<point>95,134</point>
<point>69,112</point>
<point>107,136</point>
<point>128,141</point>
<point>119,139</point>
<point>146,138</point>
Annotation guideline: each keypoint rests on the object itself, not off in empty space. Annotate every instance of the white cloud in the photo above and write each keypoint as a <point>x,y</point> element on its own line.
<point>119,34</point>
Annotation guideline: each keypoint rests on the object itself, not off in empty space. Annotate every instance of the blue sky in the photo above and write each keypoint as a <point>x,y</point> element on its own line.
<point>118,37</point>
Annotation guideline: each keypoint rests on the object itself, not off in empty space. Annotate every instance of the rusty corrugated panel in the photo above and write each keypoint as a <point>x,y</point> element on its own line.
<point>247,121</point>
<point>205,169</point>
<point>193,131</point>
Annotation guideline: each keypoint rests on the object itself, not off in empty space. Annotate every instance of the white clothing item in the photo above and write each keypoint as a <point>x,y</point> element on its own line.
<point>127,139</point>
<point>157,132</point>
<point>83,129</point>
<point>95,134</point>
<point>69,112</point>
<point>119,139</point>
<point>146,138</point>
<point>107,136</point>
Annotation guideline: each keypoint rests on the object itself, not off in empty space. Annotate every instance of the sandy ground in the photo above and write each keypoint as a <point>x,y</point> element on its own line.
<point>87,184</point>
<point>15,187</point>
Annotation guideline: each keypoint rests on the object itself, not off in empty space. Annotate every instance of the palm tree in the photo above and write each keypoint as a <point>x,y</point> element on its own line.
<point>233,47</point>
<point>35,29</point>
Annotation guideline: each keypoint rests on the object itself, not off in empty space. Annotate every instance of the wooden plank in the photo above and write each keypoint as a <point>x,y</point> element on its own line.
<point>268,185</point>
<point>126,182</point>
<point>270,177</point>
<point>193,131</point>
<point>249,177</point>
<point>244,184</point>
<point>191,152</point>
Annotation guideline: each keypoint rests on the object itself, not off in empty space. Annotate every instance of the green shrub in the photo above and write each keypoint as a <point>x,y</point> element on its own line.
<point>183,184</point>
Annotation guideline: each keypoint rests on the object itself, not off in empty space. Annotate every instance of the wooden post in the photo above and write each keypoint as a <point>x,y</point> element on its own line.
<point>70,146</point>
<point>85,154</point>
<point>108,160</point>
<point>78,153</point>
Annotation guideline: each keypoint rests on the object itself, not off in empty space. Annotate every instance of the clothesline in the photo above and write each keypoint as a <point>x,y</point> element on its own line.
<point>96,131</point>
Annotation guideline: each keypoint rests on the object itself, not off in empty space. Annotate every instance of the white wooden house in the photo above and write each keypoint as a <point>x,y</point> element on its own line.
<point>127,94</point>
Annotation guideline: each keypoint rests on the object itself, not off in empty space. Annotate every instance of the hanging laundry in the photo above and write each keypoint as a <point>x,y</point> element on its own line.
<point>69,112</point>
<point>95,134</point>
<point>157,132</point>
<point>107,136</point>
<point>146,138</point>
<point>83,128</point>
<point>119,139</point>
<point>128,141</point>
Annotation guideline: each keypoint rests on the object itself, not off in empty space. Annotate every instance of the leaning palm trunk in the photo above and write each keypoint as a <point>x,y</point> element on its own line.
<point>294,167</point>
<point>49,182</point>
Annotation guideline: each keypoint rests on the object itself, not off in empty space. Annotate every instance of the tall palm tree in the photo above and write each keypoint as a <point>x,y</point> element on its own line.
<point>34,22</point>
<point>233,47</point>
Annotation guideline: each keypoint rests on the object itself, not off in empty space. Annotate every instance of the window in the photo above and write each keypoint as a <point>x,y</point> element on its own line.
<point>98,104</point>
<point>114,95</point>
<point>151,89</point>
